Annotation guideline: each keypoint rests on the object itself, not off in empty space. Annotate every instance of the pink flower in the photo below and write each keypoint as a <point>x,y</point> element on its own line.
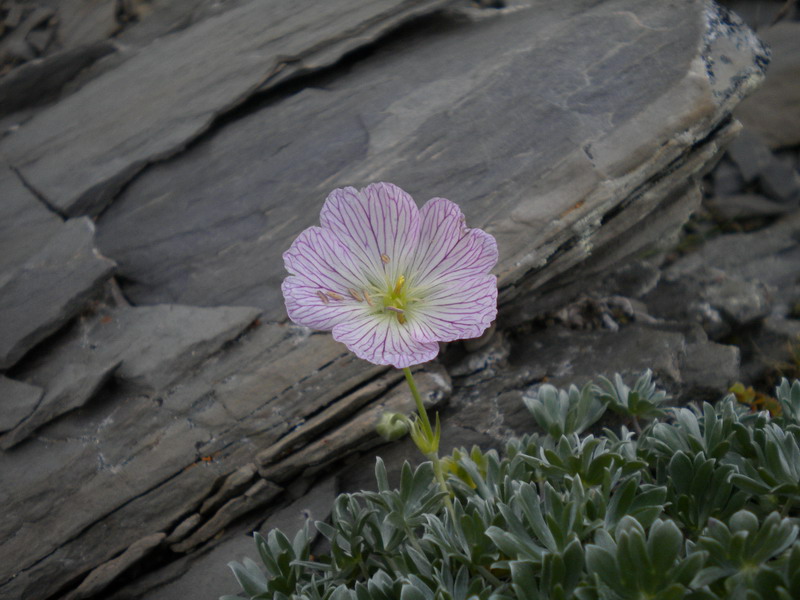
<point>391,280</point>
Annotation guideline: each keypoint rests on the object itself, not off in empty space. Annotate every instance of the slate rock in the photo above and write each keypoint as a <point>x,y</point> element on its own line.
<point>745,206</point>
<point>259,494</point>
<point>148,108</point>
<point>708,370</point>
<point>777,177</point>
<point>358,433</point>
<point>17,401</point>
<point>727,178</point>
<point>772,111</point>
<point>50,288</point>
<point>70,388</point>
<point>233,485</point>
<point>106,573</point>
<point>184,528</point>
<point>26,225</point>
<point>40,80</point>
<point>315,505</point>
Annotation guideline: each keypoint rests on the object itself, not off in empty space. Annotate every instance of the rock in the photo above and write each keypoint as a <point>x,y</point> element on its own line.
<point>259,494</point>
<point>148,108</point>
<point>103,575</point>
<point>184,528</point>
<point>315,505</point>
<point>50,288</point>
<point>708,370</point>
<point>82,22</point>
<point>772,112</point>
<point>17,401</point>
<point>234,484</point>
<point>40,80</point>
<point>70,388</point>
<point>26,225</point>
<point>358,432</point>
<point>778,178</point>
<point>727,178</point>
<point>745,206</point>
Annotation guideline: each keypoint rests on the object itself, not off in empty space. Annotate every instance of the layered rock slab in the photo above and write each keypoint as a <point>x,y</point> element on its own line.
<point>155,102</point>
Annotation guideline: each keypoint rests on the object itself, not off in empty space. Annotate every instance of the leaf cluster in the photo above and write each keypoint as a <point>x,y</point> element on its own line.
<point>701,504</point>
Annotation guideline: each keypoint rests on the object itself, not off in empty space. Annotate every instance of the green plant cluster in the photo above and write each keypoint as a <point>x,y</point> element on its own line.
<point>701,504</point>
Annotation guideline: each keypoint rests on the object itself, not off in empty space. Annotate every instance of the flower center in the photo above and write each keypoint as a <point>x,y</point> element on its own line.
<point>396,299</point>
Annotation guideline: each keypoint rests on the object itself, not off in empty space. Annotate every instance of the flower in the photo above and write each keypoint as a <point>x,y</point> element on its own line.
<point>391,280</point>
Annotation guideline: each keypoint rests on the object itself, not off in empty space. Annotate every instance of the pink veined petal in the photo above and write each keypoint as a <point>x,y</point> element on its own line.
<point>321,260</point>
<point>379,221</point>
<point>447,249</point>
<point>461,309</point>
<point>306,307</point>
<point>382,340</point>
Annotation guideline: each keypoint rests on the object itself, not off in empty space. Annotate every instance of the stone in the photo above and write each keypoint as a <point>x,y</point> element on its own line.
<point>50,288</point>
<point>82,22</point>
<point>741,207</point>
<point>390,111</point>
<point>259,494</point>
<point>26,224</point>
<point>315,505</point>
<point>727,178</point>
<point>149,108</point>
<point>106,573</point>
<point>780,181</point>
<point>750,155</point>
<point>358,432</point>
<point>184,528</point>
<point>17,401</point>
<point>70,388</point>
<point>40,80</point>
<point>234,484</point>
<point>772,111</point>
<point>708,370</point>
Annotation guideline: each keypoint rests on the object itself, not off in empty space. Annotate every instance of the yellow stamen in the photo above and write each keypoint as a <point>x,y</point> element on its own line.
<point>368,298</point>
<point>355,295</point>
<point>398,286</point>
<point>335,296</point>
<point>385,259</point>
<point>322,297</point>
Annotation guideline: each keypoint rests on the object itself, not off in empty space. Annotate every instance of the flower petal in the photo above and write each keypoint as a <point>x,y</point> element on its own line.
<point>447,249</point>
<point>461,309</point>
<point>382,340</point>
<point>319,258</point>
<point>306,306</point>
<point>379,226</point>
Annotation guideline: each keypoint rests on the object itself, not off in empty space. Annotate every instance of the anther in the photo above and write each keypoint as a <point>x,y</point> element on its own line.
<point>355,295</point>
<point>335,296</point>
<point>385,259</point>
<point>401,314</point>
<point>322,297</point>
<point>399,285</point>
<point>368,298</point>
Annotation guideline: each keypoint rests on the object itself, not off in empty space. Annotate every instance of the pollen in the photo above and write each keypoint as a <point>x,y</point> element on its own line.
<point>385,259</point>
<point>399,285</point>
<point>322,297</point>
<point>355,295</point>
<point>335,296</point>
<point>368,298</point>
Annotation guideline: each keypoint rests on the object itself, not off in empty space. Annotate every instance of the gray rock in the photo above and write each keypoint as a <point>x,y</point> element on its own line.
<point>70,388</point>
<point>40,80</point>
<point>26,225</point>
<point>750,154</point>
<point>727,178</point>
<point>708,370</point>
<point>259,494</point>
<point>745,206</point>
<point>184,528</point>
<point>50,288</point>
<point>149,108</point>
<point>102,576</point>
<point>234,484</point>
<point>780,181</point>
<point>17,401</point>
<point>772,111</point>
<point>358,433</point>
<point>314,505</point>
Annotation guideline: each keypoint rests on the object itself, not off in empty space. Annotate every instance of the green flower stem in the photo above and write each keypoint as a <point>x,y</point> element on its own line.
<point>423,415</point>
<point>427,430</point>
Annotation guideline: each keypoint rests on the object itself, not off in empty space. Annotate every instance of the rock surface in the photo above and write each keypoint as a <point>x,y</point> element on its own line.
<point>161,395</point>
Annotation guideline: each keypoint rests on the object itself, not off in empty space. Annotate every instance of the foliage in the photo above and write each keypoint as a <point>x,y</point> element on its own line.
<point>702,505</point>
